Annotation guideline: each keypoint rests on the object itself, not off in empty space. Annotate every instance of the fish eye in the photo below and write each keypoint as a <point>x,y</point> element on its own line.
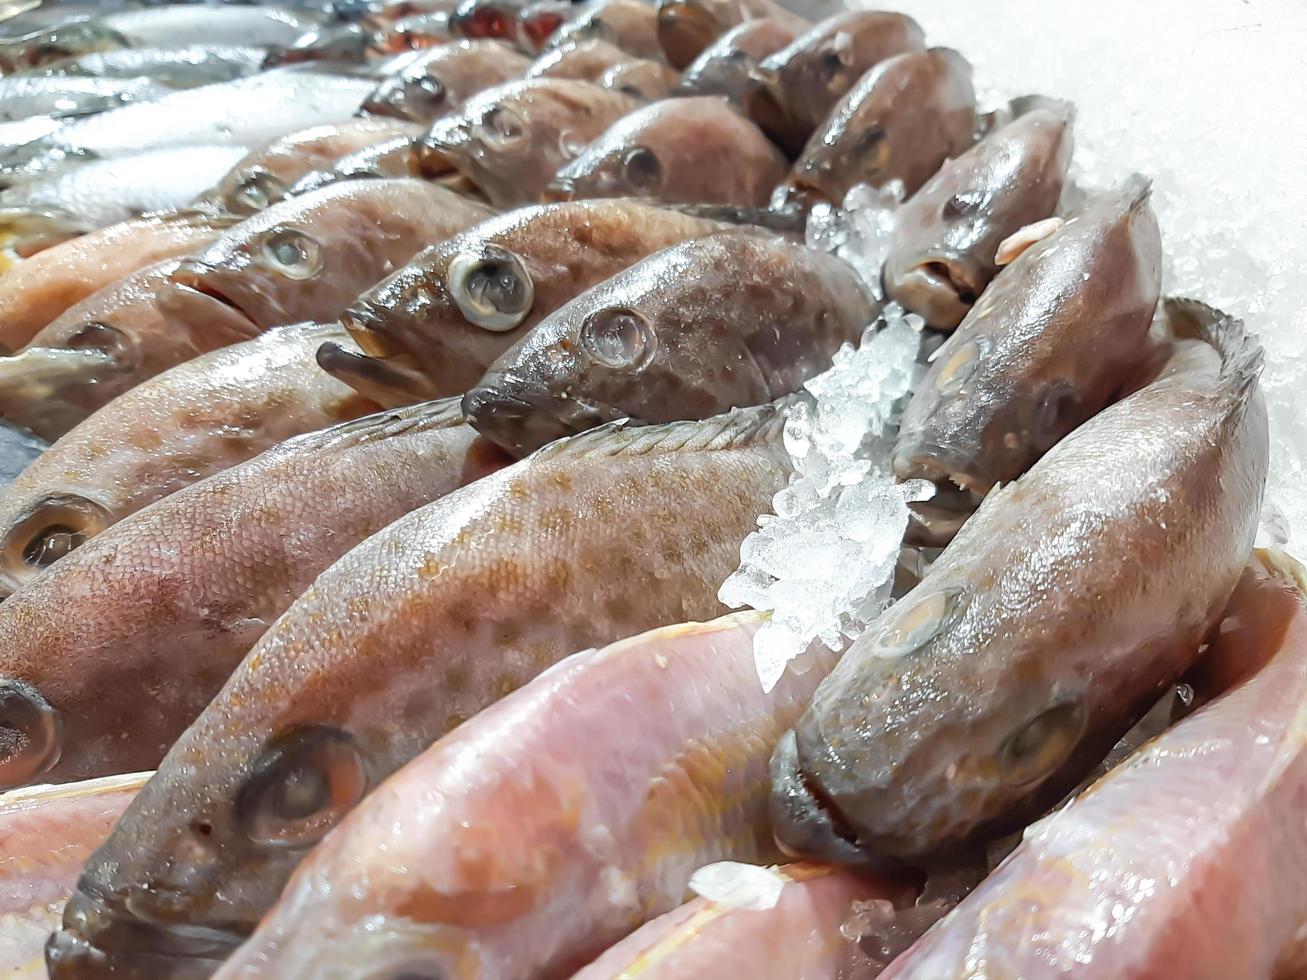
<point>493,288</point>
<point>1056,413</point>
<point>642,169</point>
<point>1042,744</point>
<point>917,624</point>
<point>873,145</point>
<point>52,529</point>
<point>619,338</point>
<point>258,190</point>
<point>302,786</point>
<point>427,88</point>
<point>294,254</point>
<point>502,128</point>
<point>962,204</point>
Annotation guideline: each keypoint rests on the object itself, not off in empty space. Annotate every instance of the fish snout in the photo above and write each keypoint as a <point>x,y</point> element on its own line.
<point>520,420</point>
<point>366,324</point>
<point>805,824</point>
<point>799,195</point>
<point>940,288</point>
<point>31,734</point>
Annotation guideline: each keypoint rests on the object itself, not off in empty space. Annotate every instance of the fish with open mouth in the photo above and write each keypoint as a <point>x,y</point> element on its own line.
<point>173,430</point>
<point>179,67</point>
<point>172,597</point>
<point>414,631</point>
<point>727,66</point>
<point>988,692</point>
<point>631,25</point>
<point>61,95</point>
<point>737,318</point>
<point>308,257</point>
<point>509,142</point>
<point>433,327</point>
<point>683,150</point>
<point>943,249</point>
<point>900,122</point>
<point>686,28</point>
<point>444,78</point>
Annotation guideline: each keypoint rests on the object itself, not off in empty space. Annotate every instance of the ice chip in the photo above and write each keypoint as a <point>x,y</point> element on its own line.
<point>740,886</point>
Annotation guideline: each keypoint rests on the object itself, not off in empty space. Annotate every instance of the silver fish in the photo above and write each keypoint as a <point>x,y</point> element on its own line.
<point>21,97</point>
<point>179,68</point>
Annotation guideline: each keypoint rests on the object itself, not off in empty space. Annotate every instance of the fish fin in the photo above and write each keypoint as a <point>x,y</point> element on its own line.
<point>1138,190</point>
<point>1241,353</point>
<point>200,213</point>
<point>789,220</point>
<point>444,413</point>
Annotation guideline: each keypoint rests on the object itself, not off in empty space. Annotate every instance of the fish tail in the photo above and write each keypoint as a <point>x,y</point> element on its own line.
<point>787,221</point>
<point>1241,352</point>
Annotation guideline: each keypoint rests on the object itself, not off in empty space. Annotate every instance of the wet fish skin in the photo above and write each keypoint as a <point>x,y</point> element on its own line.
<point>176,67</point>
<point>602,537</point>
<point>172,597</point>
<point>642,78</point>
<point>584,60</point>
<point>392,158</point>
<point>539,21</point>
<point>510,141</point>
<point>901,121</point>
<point>942,252</point>
<point>691,149</point>
<point>308,257</point>
<point>727,65</point>
<point>686,28</point>
<point>443,79</point>
<point>187,423</point>
<point>631,25</point>
<point>21,96</point>
<point>1048,345</point>
<point>486,19</point>
<point>1029,648</point>
<point>733,319</point>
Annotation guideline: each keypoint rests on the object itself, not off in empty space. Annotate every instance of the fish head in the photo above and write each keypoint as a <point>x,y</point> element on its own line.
<point>537,23</point>
<point>68,40</point>
<point>485,19</point>
<point>687,27</point>
<point>629,160</point>
<point>419,96</point>
<point>42,527</point>
<point>726,66</point>
<point>248,190</point>
<point>344,43</point>
<point>641,79</point>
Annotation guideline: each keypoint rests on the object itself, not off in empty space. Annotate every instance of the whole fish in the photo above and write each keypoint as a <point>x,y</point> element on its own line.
<point>308,257</point>
<point>686,150</point>
<point>37,291</point>
<point>176,67</point>
<point>509,142</point>
<point>1045,349</point>
<point>1114,885</point>
<point>984,695</point>
<point>444,318</point>
<point>728,65</point>
<point>444,78</point>
<point>686,28</point>
<point>417,629</point>
<point>486,19</point>
<point>390,158</point>
<point>900,122</point>
<point>46,835</point>
<point>733,319</point>
<point>539,21</point>
<point>642,78</point>
<point>945,239</point>
<point>801,83</point>
<point>187,423</point>
<point>631,25</point>
<point>172,597</point>
<point>57,95</point>
<point>602,822</point>
<point>585,61</point>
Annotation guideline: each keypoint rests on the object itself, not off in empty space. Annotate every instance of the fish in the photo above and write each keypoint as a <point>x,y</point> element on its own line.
<point>1029,648</point>
<point>414,631</point>
<point>265,176</point>
<point>733,319</point>
<point>728,65</point>
<point>509,141</point>
<point>685,150</point>
<point>191,421</point>
<point>800,84</point>
<point>447,315</point>
<point>539,21</point>
<point>946,236</point>
<point>1047,347</point>
<point>46,835</point>
<point>177,67</point>
<point>1209,808</point>
<point>390,158</point>
<point>686,28</point>
<point>308,257</point>
<point>631,25</point>
<point>900,122</point>
<point>416,33</point>
<point>442,80</point>
<point>36,291</point>
<point>586,60</point>
<point>57,95</point>
<point>486,19</point>
<point>601,822</point>
<point>334,44</point>
<point>642,78</point>
<point>173,596</point>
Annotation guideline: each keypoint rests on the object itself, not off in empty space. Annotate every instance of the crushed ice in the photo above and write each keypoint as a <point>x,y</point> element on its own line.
<point>739,886</point>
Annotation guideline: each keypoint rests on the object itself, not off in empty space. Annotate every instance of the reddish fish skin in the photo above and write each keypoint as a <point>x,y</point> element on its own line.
<point>632,25</point>
<point>604,821</point>
<point>686,28</point>
<point>1189,860</point>
<point>726,66</point>
<point>445,77</point>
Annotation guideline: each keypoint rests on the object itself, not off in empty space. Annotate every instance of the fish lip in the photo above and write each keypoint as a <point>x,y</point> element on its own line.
<point>186,288</point>
<point>939,287</point>
<point>360,322</point>
<point>40,731</point>
<point>520,420</point>
<point>919,459</point>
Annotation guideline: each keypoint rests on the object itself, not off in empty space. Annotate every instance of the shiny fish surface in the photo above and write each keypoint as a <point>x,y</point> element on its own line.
<point>444,78</point>
<point>984,695</point>
<point>539,21</point>
<point>171,598</point>
<point>21,97</point>
<point>727,66</point>
<point>391,158</point>
<point>187,423</point>
<point>414,631</point>
<point>687,27</point>
<point>180,67</point>
<point>642,78</point>
<point>631,25</point>
<point>585,61</point>
<point>734,319</point>
<point>486,19</point>
<point>600,822</point>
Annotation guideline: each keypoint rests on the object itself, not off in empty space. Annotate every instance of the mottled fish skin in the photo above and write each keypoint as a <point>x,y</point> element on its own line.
<point>900,122</point>
<point>1049,344</point>
<point>577,826</point>
<point>414,631</point>
<point>308,257</point>
<point>1186,861</point>
<point>727,66</point>
<point>695,149</point>
<point>642,78</point>
<point>187,423</point>
<point>585,61</point>
<point>510,141</point>
<point>631,25</point>
<point>1028,649</point>
<point>444,78</point>
<point>686,28</point>
<point>800,84</point>
<point>459,305</point>
<point>942,252</point>
<point>734,319</point>
<point>171,598</point>
<point>392,158</point>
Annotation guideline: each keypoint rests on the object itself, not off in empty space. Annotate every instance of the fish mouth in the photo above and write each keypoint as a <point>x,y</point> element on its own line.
<point>439,162</point>
<point>918,459</point>
<point>520,420</point>
<point>362,322</point>
<point>391,382</point>
<point>800,195</point>
<point>560,191</point>
<point>941,288</point>
<point>190,294</point>
<point>685,29</point>
<point>958,492</point>
<point>31,734</point>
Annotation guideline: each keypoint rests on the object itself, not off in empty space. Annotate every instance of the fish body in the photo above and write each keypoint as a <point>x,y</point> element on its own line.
<point>727,66</point>
<point>984,695</point>
<point>732,319</point>
<point>642,78</point>
<point>584,60</point>
<point>686,28</point>
<point>176,67</point>
<point>56,95</point>
<point>444,78</point>
<point>390,158</point>
<point>631,25</point>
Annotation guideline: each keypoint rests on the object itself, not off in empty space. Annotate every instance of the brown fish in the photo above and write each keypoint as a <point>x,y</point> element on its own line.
<point>420,627</point>
<point>734,319</point>
<point>901,121</point>
<point>684,150</point>
<point>171,598</point>
<point>686,28</point>
<point>631,25</point>
<point>445,77</point>
<point>308,257</point>
<point>185,424</point>
<point>585,61</point>
<point>643,78</point>
<point>727,66</point>
<point>801,83</point>
<point>1030,647</point>
<point>393,158</point>
<point>942,252</point>
<point>509,141</point>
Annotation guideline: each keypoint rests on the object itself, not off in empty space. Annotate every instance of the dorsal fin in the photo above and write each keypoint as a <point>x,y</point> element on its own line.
<point>443,413</point>
<point>1241,353</point>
